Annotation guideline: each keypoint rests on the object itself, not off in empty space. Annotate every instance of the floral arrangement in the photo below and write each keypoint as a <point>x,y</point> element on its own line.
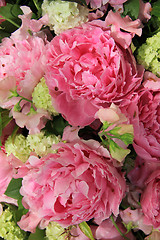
<point>79,120</point>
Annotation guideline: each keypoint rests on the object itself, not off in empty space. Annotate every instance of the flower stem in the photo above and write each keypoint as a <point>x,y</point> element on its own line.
<point>36,5</point>
<point>9,20</point>
<point>114,223</point>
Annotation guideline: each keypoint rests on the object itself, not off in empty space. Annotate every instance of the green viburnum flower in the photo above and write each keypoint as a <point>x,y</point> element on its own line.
<point>64,15</point>
<point>41,144</point>
<point>41,97</point>
<point>21,146</point>
<point>55,232</point>
<point>149,54</point>
<point>9,230</point>
<point>18,147</point>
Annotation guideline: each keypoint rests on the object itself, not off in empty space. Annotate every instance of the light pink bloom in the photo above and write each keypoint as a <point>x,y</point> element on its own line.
<point>151,81</point>
<point>137,218</point>
<point>99,3</point>
<point>2,4</point>
<point>73,185</point>
<point>28,25</point>
<point>144,12</point>
<point>150,201</point>
<point>34,122</point>
<point>126,23</point>
<point>107,231</point>
<point>87,70</point>
<point>7,170</point>
<point>24,62</point>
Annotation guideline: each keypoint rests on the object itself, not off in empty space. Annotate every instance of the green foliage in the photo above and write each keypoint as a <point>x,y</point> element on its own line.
<point>55,126</point>
<point>38,235</point>
<point>13,192</point>
<point>156,9</point>
<point>13,188</point>
<point>4,120</point>
<point>10,13</point>
<point>131,8</point>
<point>86,230</point>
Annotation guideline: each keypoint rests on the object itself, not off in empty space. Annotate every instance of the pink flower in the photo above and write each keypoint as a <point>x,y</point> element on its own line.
<point>141,171</point>
<point>144,12</point>
<point>107,231</point>
<point>87,70</point>
<point>147,129</point>
<point>7,170</point>
<point>73,185</point>
<point>2,4</point>
<point>137,218</point>
<point>24,62</point>
<point>28,24</point>
<point>150,200</point>
<point>99,3</point>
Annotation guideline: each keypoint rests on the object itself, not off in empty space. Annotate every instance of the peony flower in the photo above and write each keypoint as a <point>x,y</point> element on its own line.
<point>150,201</point>
<point>147,133</point>
<point>88,70</point>
<point>73,185</point>
<point>22,62</point>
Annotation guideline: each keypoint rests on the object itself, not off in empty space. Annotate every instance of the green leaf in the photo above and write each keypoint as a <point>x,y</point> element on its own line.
<point>117,152</point>
<point>131,8</point>
<point>38,235</point>
<point>127,138</point>
<point>86,230</point>
<point>156,9</point>
<point>10,13</point>
<point>13,188</point>
<point>56,126</point>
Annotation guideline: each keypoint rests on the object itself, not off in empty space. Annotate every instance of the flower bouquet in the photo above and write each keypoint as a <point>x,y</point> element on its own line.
<point>79,119</point>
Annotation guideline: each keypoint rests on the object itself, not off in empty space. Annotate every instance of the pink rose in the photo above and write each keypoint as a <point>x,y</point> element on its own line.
<point>73,185</point>
<point>87,70</point>
<point>150,201</point>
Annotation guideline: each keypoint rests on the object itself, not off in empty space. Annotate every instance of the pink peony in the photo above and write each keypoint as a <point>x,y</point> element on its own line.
<point>87,70</point>
<point>150,200</point>
<point>147,129</point>
<point>24,62</point>
<point>73,185</point>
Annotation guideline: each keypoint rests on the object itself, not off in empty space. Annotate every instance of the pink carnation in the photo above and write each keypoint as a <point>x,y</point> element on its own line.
<point>87,70</point>
<point>150,200</point>
<point>73,185</point>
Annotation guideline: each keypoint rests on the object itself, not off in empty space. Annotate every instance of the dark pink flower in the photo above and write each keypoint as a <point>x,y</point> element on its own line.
<point>150,200</point>
<point>87,69</point>
<point>73,185</point>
